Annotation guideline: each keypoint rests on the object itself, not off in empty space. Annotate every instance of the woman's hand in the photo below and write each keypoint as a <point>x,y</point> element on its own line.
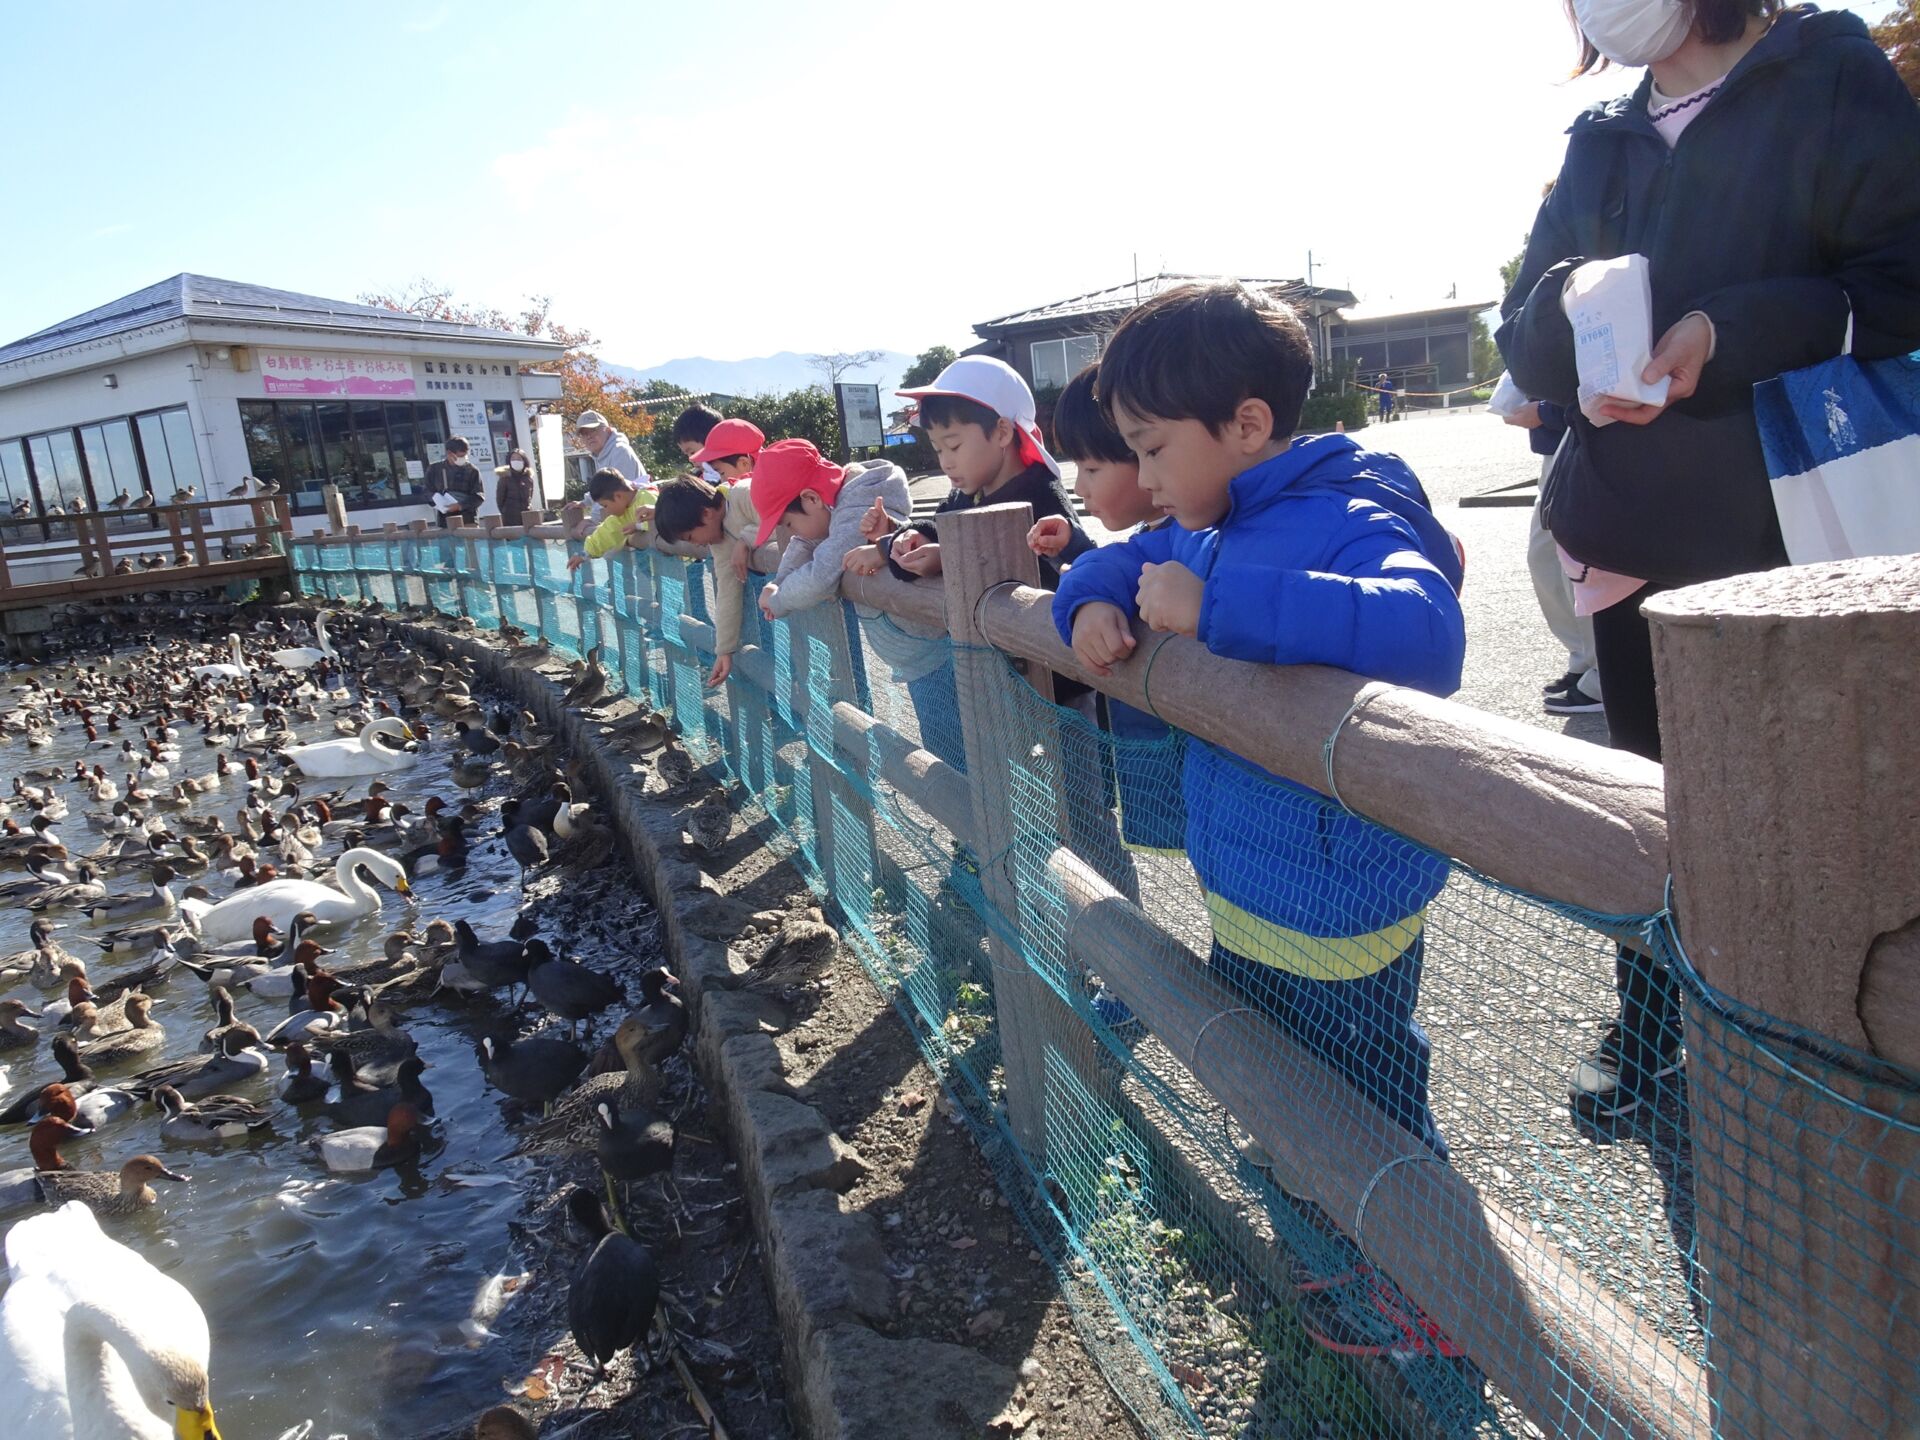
<point>1049,536</point>
<point>1527,417</point>
<point>1683,352</point>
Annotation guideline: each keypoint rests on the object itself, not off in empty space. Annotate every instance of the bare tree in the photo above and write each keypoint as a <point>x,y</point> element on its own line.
<point>837,364</point>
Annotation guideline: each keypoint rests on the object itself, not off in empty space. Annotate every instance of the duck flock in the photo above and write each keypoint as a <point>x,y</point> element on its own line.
<point>185,875</point>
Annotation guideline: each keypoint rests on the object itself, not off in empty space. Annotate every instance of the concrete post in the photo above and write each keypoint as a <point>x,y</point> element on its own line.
<point>1787,705</point>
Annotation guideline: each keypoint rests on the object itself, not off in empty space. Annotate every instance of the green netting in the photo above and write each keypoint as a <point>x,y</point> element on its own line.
<point>1269,1084</point>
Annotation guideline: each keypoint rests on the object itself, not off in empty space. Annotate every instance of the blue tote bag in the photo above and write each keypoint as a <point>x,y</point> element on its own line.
<point>1842,440</point>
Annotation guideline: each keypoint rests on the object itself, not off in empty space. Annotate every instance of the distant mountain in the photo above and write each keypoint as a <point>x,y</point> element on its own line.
<point>767,375</point>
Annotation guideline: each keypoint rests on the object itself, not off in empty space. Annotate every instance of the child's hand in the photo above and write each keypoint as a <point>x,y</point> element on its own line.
<point>722,667</point>
<point>922,559</point>
<point>575,562</point>
<point>1169,597</point>
<point>766,603</point>
<point>1049,537</point>
<point>637,518</point>
<point>863,560</point>
<point>875,523</point>
<point>740,562</point>
<point>1102,636</point>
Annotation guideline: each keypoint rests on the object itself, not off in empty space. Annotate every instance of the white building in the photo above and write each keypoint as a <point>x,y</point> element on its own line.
<point>198,383</point>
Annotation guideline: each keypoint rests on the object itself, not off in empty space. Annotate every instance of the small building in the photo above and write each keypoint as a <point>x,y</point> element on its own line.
<point>1050,344</point>
<point>194,384</point>
<point>1424,348</point>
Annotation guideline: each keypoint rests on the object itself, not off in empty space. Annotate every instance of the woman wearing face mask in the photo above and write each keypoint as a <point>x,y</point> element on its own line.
<point>1768,166</point>
<point>513,488</point>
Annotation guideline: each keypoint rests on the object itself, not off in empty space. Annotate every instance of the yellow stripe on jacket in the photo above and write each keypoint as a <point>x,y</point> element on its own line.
<point>1313,957</point>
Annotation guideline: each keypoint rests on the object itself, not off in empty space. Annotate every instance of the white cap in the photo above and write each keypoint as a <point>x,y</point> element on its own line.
<point>590,420</point>
<point>998,386</point>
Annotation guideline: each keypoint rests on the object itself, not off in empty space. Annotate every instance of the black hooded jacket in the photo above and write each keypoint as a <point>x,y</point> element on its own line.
<point>1790,200</point>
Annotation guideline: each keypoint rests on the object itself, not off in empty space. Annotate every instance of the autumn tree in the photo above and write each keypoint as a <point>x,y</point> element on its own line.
<point>1898,33</point>
<point>583,384</point>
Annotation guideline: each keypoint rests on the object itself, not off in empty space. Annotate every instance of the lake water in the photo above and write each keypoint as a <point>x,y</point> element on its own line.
<point>334,1299</point>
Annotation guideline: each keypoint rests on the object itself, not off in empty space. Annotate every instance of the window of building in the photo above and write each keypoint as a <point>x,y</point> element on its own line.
<point>500,424</point>
<point>166,443</point>
<point>16,478</point>
<point>369,448</point>
<point>1055,362</point>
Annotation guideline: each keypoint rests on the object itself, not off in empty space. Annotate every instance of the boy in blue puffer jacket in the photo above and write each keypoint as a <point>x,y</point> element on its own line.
<point>1282,552</point>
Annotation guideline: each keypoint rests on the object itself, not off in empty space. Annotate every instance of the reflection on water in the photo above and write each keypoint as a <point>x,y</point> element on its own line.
<point>340,1299</point>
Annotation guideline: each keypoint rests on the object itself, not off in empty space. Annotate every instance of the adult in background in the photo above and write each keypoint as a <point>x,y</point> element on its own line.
<point>1386,398</point>
<point>608,447</point>
<point>513,487</point>
<point>456,479</point>
<point>1765,167</point>
<point>1577,692</point>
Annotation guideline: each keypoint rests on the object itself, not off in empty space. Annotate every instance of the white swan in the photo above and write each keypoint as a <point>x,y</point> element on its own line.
<point>301,657</point>
<point>238,669</point>
<point>332,759</point>
<point>281,900</point>
<point>95,1342</point>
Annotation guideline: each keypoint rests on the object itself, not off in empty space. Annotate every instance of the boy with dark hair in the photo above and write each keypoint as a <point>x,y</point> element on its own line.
<point>690,430</point>
<point>625,516</point>
<point>1107,479</point>
<point>691,515</point>
<point>1283,551</point>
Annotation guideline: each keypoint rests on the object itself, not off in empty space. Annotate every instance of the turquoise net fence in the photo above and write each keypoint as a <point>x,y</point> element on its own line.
<point>1282,1096</point>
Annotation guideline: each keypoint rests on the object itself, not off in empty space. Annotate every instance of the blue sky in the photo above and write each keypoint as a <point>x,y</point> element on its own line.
<point>735,179</point>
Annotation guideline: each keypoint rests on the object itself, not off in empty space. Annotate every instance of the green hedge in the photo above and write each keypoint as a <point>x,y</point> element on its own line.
<point>1324,411</point>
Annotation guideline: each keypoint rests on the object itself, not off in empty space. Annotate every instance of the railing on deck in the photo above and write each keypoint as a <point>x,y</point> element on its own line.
<point>201,543</point>
<point>1553,840</point>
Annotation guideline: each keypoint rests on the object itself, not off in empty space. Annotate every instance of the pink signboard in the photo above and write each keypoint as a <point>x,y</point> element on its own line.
<point>284,373</point>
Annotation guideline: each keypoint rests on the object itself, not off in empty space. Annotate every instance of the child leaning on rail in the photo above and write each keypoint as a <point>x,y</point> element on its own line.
<point>1283,551</point>
<point>692,516</point>
<point>1107,480</point>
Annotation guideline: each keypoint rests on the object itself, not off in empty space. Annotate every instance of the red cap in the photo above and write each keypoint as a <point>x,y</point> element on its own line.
<point>730,438</point>
<point>784,469</point>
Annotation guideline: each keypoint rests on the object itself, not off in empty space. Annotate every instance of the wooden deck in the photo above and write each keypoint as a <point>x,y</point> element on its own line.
<point>99,555</point>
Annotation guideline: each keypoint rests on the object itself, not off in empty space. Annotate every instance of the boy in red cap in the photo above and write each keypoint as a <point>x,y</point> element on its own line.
<point>730,450</point>
<point>822,507</point>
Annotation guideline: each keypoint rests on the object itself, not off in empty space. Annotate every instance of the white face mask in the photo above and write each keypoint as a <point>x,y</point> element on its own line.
<point>518,464</point>
<point>1634,32</point>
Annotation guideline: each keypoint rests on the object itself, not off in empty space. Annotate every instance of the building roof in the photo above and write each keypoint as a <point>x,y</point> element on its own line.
<point>1388,308</point>
<point>1116,298</point>
<point>201,297</point>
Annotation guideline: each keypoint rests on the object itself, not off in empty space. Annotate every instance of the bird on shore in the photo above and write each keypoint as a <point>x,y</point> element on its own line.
<point>589,686</point>
<point>611,1302</point>
<point>567,988</point>
<point>535,1070</point>
<point>633,1143</point>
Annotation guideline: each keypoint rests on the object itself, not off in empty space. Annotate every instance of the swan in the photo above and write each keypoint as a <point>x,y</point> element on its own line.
<point>300,657</point>
<point>236,669</point>
<point>332,759</point>
<point>96,1342</point>
<point>281,900</point>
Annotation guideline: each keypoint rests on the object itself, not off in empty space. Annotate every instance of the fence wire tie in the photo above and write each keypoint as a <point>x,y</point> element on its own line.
<point>1366,1194</point>
<point>1367,692</point>
<point>1193,1052</point>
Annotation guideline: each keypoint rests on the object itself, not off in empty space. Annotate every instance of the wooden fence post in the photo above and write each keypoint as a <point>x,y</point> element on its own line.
<point>1787,705</point>
<point>981,549</point>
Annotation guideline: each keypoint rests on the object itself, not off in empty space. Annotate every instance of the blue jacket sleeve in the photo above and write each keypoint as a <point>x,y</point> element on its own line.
<point>1110,573</point>
<point>1382,610</point>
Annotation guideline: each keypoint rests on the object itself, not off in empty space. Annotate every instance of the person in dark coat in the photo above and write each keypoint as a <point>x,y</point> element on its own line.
<point>513,487</point>
<point>1765,166</point>
<point>457,477</point>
